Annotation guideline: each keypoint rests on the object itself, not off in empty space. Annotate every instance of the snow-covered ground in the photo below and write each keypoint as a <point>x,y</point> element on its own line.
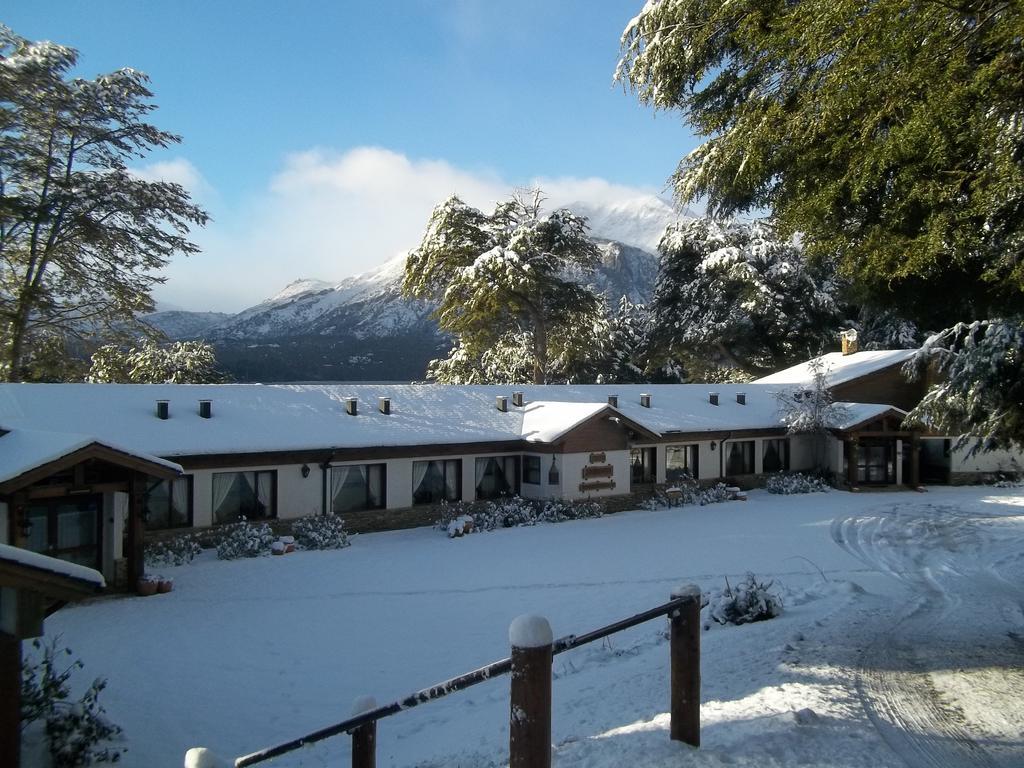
<point>901,642</point>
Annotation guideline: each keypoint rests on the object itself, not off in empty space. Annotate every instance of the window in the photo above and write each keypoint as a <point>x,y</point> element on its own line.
<point>641,465</point>
<point>358,487</point>
<point>497,476</point>
<point>531,470</point>
<point>435,481</point>
<point>740,459</point>
<point>244,494</point>
<point>775,455</point>
<point>681,462</point>
<point>168,504</point>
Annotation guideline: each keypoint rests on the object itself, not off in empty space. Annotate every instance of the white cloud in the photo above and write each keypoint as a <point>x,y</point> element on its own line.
<point>330,215</point>
<point>178,171</point>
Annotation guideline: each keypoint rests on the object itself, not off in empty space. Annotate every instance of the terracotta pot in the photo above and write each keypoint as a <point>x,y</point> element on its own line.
<point>146,587</point>
<point>165,585</point>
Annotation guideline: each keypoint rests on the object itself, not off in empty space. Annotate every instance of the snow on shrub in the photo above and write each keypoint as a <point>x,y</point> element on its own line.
<point>750,600</point>
<point>796,483</point>
<point>245,539</point>
<point>320,532</point>
<point>692,493</point>
<point>176,551</point>
<point>74,731</point>
<point>512,512</point>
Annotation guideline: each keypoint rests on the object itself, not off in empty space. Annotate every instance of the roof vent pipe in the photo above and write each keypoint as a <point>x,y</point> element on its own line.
<point>645,401</point>
<point>517,399</point>
<point>502,403</point>
<point>163,409</point>
<point>613,401</point>
<point>385,405</point>
<point>205,409</point>
<point>713,398</point>
<point>351,406</point>
<point>741,398</point>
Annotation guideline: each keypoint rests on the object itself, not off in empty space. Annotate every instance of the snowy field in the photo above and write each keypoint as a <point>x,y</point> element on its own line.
<point>902,640</point>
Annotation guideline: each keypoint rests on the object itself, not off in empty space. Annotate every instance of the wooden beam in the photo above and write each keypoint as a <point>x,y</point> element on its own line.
<point>134,545</point>
<point>10,702</point>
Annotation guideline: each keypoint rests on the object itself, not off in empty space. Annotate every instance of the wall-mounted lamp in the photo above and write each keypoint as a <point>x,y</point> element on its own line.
<point>305,470</point>
<point>713,445</point>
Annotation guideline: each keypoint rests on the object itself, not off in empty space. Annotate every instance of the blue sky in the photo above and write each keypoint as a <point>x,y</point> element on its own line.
<point>319,134</point>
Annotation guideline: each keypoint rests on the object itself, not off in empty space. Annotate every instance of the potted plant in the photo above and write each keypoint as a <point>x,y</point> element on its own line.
<point>147,586</point>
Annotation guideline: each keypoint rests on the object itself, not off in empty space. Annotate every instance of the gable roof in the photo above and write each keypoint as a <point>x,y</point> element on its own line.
<point>47,575</point>
<point>841,368</point>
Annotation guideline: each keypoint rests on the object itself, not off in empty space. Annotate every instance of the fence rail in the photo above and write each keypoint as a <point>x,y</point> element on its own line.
<point>683,611</point>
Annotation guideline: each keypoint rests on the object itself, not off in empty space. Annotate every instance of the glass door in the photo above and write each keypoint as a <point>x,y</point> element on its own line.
<point>68,529</point>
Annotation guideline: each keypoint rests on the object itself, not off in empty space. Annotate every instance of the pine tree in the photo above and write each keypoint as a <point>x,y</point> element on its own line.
<point>81,237</point>
<point>503,274</point>
<point>739,296</point>
<point>182,362</point>
<point>811,410</point>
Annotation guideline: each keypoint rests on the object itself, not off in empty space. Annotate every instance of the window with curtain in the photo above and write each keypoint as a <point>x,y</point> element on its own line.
<point>641,465</point>
<point>531,470</point>
<point>775,455</point>
<point>357,487</point>
<point>244,494</point>
<point>740,458</point>
<point>680,462</point>
<point>168,503</point>
<point>497,476</point>
<point>436,481</point>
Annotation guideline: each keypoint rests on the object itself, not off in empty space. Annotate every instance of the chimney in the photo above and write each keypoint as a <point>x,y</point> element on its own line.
<point>163,409</point>
<point>205,409</point>
<point>517,399</point>
<point>351,406</point>
<point>713,398</point>
<point>741,398</point>
<point>502,403</point>
<point>645,401</point>
<point>849,341</point>
<point>385,405</point>
<point>613,401</point>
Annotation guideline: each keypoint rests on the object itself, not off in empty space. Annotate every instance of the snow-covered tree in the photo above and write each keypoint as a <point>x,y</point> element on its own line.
<point>980,389</point>
<point>503,273</point>
<point>736,295</point>
<point>81,236</point>
<point>182,362</point>
<point>811,410</point>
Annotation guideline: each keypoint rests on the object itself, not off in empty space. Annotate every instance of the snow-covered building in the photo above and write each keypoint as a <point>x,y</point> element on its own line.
<point>87,469</point>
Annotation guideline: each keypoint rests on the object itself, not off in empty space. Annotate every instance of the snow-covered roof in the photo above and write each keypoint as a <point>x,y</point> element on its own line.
<point>22,450</point>
<point>51,565</point>
<point>252,418</point>
<point>841,368</point>
<point>858,413</point>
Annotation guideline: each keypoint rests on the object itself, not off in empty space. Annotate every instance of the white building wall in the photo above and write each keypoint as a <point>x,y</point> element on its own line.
<point>801,452</point>
<point>988,461</point>
<point>297,496</point>
<point>708,460</point>
<point>572,475</point>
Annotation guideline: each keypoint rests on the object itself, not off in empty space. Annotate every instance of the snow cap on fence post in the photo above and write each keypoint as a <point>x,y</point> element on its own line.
<point>685,590</point>
<point>529,631</point>
<point>201,757</point>
<point>363,704</point>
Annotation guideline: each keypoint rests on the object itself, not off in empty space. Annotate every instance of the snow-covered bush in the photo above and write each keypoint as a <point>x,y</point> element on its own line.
<point>750,600</point>
<point>245,539</point>
<point>796,482</point>
<point>75,730</point>
<point>1009,481</point>
<point>692,493</point>
<point>320,532</point>
<point>176,551</point>
<point>515,511</point>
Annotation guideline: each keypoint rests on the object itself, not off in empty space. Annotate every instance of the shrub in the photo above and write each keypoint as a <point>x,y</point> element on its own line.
<point>176,551</point>
<point>74,731</point>
<point>320,532</point>
<point>748,601</point>
<point>512,512</point>
<point>244,539</point>
<point>796,482</point>
<point>693,493</point>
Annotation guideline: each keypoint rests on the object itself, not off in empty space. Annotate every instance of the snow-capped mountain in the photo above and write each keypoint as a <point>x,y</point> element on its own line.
<point>369,307</point>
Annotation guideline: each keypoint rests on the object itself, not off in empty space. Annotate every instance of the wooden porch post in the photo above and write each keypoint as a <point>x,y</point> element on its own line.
<point>915,460</point>
<point>851,467</point>
<point>10,702</point>
<point>134,545</point>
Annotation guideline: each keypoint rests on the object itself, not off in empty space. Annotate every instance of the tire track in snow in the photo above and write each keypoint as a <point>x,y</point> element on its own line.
<point>951,561</point>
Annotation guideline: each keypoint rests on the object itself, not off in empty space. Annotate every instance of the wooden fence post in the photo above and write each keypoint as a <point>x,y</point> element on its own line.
<point>529,729</point>
<point>684,647</point>
<point>364,738</point>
